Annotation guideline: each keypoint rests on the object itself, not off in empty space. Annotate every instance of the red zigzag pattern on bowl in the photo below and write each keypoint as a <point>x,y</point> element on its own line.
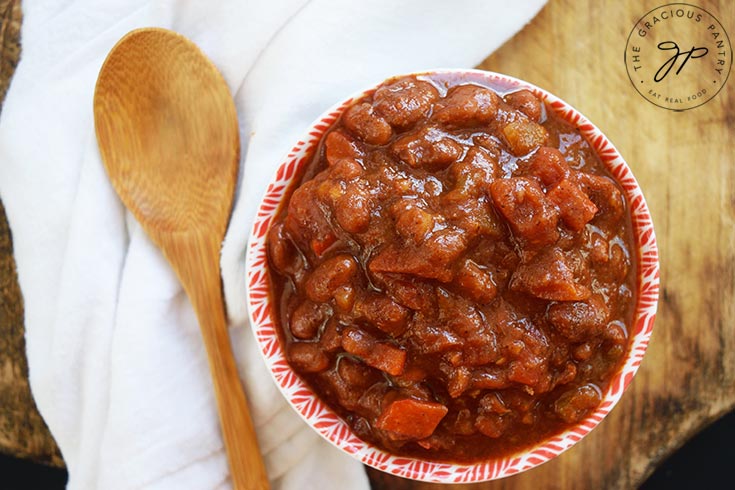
<point>332,428</point>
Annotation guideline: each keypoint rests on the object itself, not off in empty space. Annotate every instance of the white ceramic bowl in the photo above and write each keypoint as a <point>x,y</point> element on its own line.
<point>323,420</point>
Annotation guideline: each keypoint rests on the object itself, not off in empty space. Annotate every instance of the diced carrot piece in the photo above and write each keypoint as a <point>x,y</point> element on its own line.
<point>387,358</point>
<point>410,418</point>
<point>379,355</point>
<point>320,245</point>
<point>413,374</point>
<point>357,342</point>
<point>528,374</point>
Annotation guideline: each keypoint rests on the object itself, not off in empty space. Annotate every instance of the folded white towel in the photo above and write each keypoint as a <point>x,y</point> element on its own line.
<point>117,365</point>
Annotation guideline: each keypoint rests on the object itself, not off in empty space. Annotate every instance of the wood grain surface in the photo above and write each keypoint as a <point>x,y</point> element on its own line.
<point>23,432</point>
<point>685,164</point>
<point>10,18</point>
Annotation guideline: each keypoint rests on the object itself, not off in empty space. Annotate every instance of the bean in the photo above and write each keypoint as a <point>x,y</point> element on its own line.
<point>353,209</point>
<point>548,165</point>
<point>307,357</point>
<point>579,320</point>
<point>330,275</point>
<point>575,404</point>
<point>405,102</point>
<point>368,126</point>
<point>430,148</point>
<point>527,103</point>
<point>467,105</point>
<point>307,318</point>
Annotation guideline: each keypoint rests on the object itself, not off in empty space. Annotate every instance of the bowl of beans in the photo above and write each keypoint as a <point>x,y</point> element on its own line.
<point>453,276</point>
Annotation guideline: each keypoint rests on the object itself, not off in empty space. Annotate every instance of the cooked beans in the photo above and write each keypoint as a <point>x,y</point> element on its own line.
<point>450,278</point>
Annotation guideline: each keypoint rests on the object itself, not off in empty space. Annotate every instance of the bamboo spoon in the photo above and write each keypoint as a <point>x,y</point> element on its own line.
<point>168,135</point>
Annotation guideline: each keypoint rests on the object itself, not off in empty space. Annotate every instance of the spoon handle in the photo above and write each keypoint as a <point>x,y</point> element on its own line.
<point>200,274</point>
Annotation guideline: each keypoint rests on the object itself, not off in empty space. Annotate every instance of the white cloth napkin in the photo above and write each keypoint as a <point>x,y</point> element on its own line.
<point>117,366</point>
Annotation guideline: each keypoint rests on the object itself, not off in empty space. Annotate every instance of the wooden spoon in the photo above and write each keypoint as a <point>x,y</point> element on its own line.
<point>168,135</point>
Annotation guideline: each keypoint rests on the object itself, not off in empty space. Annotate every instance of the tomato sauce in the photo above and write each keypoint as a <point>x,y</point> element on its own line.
<point>453,271</point>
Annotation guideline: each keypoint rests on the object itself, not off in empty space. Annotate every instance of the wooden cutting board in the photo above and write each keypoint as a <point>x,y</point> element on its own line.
<point>685,164</point>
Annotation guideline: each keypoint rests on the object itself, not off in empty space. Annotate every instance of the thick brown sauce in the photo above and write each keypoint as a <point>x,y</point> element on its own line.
<point>445,281</point>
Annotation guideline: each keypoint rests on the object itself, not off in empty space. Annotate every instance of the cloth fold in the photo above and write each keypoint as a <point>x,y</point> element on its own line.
<point>117,366</point>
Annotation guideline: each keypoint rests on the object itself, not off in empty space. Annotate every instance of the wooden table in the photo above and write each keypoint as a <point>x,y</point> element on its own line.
<point>685,164</point>
<point>23,432</point>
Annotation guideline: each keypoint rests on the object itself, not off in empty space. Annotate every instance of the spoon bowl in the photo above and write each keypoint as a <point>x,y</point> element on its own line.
<point>168,136</point>
<point>159,100</point>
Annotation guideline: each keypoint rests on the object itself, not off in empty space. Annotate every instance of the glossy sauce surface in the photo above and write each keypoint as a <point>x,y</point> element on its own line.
<point>453,271</point>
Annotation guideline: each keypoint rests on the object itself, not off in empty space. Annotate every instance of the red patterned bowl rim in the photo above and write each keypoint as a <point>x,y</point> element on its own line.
<point>320,417</point>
